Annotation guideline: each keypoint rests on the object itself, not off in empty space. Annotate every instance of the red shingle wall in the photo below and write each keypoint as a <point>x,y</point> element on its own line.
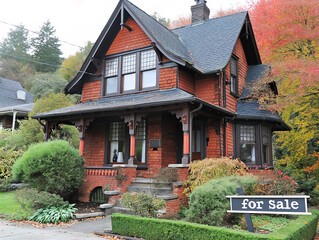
<point>94,144</point>
<point>230,140</point>
<point>168,78</point>
<point>186,82</point>
<point>169,140</point>
<point>126,40</point>
<point>213,148</point>
<point>91,91</point>
<point>231,101</point>
<point>206,88</point>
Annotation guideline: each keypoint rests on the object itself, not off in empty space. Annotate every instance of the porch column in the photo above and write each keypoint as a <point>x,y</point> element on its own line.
<point>14,116</point>
<point>47,130</point>
<point>82,125</point>
<point>183,115</point>
<point>132,121</point>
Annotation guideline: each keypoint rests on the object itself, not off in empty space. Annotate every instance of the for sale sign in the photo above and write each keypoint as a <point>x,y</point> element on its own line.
<point>296,204</point>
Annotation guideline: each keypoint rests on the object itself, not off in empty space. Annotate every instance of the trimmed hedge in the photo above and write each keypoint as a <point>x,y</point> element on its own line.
<point>303,227</point>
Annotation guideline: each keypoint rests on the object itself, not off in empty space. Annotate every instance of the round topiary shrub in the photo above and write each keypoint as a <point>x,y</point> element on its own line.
<point>53,166</point>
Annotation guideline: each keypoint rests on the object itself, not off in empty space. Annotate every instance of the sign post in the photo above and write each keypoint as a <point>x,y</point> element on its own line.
<point>250,226</point>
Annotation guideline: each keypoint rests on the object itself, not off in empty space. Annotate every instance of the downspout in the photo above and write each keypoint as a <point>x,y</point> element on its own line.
<point>14,120</point>
<point>191,129</point>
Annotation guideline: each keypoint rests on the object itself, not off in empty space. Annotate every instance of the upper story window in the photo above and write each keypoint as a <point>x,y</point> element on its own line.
<point>131,73</point>
<point>234,75</point>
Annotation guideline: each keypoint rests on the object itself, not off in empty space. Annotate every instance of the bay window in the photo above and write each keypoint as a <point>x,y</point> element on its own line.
<point>130,72</point>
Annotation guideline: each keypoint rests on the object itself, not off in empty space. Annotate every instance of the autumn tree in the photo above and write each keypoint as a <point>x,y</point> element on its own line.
<point>46,49</point>
<point>72,64</point>
<point>287,35</point>
<point>181,21</point>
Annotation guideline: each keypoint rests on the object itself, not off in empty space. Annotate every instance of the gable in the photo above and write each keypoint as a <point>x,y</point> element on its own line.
<point>129,40</point>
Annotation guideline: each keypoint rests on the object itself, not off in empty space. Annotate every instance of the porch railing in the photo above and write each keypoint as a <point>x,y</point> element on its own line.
<point>93,171</point>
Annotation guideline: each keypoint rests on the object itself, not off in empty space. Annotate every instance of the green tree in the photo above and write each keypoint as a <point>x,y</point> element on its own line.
<point>44,83</point>
<point>75,62</point>
<point>46,48</point>
<point>16,44</point>
<point>162,20</point>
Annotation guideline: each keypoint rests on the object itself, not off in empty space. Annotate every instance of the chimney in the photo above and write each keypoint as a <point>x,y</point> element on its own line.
<point>200,12</point>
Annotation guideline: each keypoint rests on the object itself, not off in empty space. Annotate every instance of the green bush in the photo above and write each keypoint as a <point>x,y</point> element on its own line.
<point>54,167</point>
<point>143,204</point>
<point>157,229</point>
<point>210,168</point>
<point>4,185</point>
<point>208,203</point>
<point>54,214</point>
<point>32,198</point>
<point>7,158</point>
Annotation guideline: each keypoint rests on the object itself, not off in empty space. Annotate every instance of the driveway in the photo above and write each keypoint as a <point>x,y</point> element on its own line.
<point>77,231</point>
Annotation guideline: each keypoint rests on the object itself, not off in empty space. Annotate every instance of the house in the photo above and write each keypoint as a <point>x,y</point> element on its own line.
<point>154,98</point>
<point>15,103</point>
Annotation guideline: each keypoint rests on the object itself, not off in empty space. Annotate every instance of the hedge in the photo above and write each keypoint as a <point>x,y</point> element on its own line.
<point>304,227</point>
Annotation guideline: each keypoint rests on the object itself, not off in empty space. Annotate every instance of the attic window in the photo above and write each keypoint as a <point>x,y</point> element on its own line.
<point>234,76</point>
<point>127,73</point>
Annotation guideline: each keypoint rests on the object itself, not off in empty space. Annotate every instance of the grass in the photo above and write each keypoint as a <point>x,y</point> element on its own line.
<point>11,208</point>
<point>270,223</point>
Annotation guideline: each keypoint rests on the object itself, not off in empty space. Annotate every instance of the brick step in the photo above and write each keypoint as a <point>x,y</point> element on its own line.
<point>167,197</point>
<point>88,215</point>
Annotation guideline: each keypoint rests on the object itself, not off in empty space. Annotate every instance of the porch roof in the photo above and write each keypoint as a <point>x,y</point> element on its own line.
<point>130,102</point>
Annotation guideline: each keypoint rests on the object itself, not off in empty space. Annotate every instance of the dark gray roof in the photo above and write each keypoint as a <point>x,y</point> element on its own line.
<point>204,47</point>
<point>8,93</point>
<point>19,108</point>
<point>248,109</point>
<point>165,38</point>
<point>131,101</point>
<point>212,42</point>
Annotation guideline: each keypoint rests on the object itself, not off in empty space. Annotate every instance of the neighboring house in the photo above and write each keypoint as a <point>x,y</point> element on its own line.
<point>15,103</point>
<point>154,98</point>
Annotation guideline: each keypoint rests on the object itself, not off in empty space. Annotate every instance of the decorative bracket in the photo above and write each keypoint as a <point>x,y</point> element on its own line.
<point>82,126</point>
<point>132,121</point>
<point>182,115</point>
<point>98,64</point>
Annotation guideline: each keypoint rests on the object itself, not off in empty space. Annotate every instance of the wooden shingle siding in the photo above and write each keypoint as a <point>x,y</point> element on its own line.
<point>186,82</point>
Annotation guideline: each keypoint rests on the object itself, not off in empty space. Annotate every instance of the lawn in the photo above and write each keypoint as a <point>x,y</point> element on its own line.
<point>11,208</point>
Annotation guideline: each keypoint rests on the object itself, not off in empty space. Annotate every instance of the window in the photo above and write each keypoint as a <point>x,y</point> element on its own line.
<point>111,72</point>
<point>148,69</point>
<point>247,140</point>
<point>234,75</point>
<point>266,141</point>
<point>117,142</point>
<point>131,72</point>
<point>140,142</point>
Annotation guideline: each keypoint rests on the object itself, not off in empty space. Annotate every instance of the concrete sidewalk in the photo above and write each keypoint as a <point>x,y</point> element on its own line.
<point>77,231</point>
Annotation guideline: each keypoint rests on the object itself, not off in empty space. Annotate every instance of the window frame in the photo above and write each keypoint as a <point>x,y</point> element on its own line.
<point>249,143</point>
<point>144,120</point>
<point>236,92</point>
<point>268,161</point>
<point>120,76</point>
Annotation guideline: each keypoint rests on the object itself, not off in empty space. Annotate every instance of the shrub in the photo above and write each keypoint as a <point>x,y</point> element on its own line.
<point>32,198</point>
<point>54,167</point>
<point>7,159</point>
<point>54,214</point>
<point>208,203</point>
<point>304,227</point>
<point>4,185</point>
<point>204,170</point>
<point>284,185</point>
<point>143,204</point>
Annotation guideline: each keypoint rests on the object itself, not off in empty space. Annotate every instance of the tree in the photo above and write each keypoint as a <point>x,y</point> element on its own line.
<point>286,28</point>
<point>181,21</point>
<point>16,44</point>
<point>44,83</point>
<point>75,62</point>
<point>46,48</point>
<point>165,22</point>
<point>287,35</point>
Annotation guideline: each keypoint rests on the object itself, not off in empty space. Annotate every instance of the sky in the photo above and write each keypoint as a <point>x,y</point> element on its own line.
<point>80,21</point>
